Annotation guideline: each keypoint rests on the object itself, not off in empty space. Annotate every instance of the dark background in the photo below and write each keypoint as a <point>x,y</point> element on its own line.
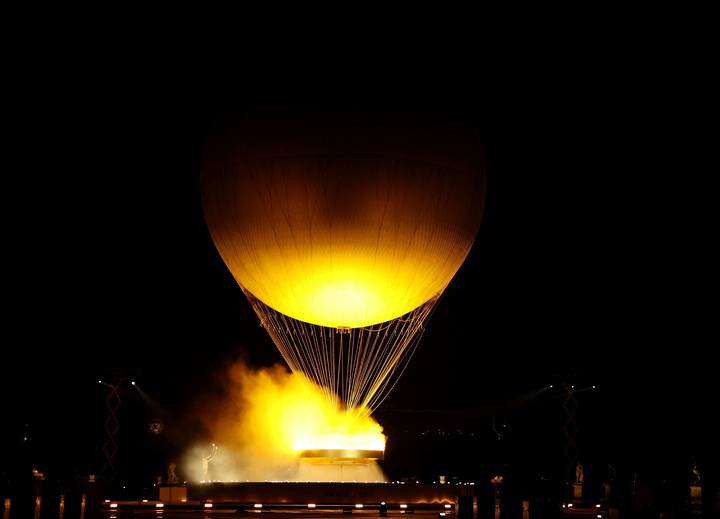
<point>592,265</point>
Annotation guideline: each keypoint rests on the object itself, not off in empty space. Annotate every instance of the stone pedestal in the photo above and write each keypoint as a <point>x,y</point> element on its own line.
<point>695,500</point>
<point>173,494</point>
<point>577,491</point>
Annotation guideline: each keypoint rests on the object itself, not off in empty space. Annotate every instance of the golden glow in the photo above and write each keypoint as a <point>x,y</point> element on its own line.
<point>344,225</point>
<point>269,415</point>
<point>343,229</point>
<point>306,417</point>
<point>350,441</point>
<point>375,283</point>
<point>358,295</point>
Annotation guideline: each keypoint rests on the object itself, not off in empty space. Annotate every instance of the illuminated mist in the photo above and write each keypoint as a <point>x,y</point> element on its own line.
<point>260,421</point>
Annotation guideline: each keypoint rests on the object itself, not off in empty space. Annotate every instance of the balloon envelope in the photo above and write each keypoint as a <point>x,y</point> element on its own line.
<point>340,217</point>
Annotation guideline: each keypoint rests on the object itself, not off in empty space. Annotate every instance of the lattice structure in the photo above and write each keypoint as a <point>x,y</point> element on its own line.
<point>115,378</point>
<point>112,426</point>
<point>570,429</point>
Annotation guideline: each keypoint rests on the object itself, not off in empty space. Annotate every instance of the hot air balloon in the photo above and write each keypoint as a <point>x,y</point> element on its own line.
<point>343,226</point>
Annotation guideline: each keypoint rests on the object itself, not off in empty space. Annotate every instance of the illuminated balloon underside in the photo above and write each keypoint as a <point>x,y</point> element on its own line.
<point>358,247</point>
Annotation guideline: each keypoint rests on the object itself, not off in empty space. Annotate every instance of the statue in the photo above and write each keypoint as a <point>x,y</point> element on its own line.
<point>172,477</point>
<point>206,462</point>
<point>579,476</point>
<point>696,472</point>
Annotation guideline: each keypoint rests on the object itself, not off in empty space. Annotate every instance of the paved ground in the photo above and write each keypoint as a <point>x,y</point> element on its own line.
<point>194,514</point>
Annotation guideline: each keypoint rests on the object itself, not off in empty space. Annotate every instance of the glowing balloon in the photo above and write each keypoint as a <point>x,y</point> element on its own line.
<point>343,228</point>
<point>343,218</point>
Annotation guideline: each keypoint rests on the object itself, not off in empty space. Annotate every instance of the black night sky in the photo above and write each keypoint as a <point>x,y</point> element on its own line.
<point>591,266</point>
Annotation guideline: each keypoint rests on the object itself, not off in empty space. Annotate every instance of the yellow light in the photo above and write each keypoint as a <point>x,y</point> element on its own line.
<point>360,441</point>
<point>338,221</point>
<point>343,229</point>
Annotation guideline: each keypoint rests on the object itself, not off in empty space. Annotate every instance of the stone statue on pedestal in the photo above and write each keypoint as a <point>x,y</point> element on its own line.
<point>172,477</point>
